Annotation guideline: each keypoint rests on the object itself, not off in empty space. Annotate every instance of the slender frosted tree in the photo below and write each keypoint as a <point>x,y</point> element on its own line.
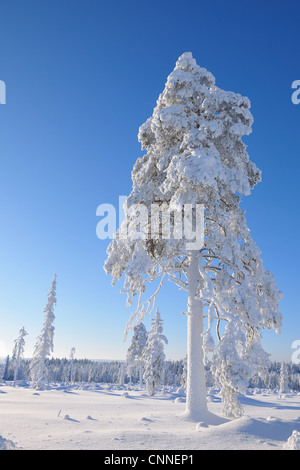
<point>184,373</point>
<point>72,355</point>
<point>283,379</point>
<point>195,156</point>
<point>134,358</point>
<point>121,375</point>
<point>44,344</point>
<point>154,355</point>
<point>18,352</point>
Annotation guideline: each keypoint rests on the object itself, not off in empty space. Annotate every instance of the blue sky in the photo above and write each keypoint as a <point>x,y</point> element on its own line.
<point>81,77</point>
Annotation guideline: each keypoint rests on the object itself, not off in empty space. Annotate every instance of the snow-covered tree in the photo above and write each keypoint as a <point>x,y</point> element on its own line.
<point>154,355</point>
<point>283,379</point>
<point>18,352</point>
<point>72,355</point>
<point>6,369</point>
<point>134,357</point>
<point>184,374</point>
<point>121,375</point>
<point>44,344</point>
<point>194,157</point>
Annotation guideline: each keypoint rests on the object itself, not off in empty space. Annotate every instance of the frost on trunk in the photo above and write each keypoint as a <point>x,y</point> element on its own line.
<point>194,154</point>
<point>196,406</point>
<point>44,344</point>
<point>154,356</point>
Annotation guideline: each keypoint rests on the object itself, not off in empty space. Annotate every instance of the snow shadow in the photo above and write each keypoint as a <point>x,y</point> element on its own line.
<point>246,400</point>
<point>67,418</point>
<point>275,429</point>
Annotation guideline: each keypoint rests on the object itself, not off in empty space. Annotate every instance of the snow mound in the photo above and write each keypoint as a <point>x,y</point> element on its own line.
<point>252,433</point>
<point>5,444</point>
<point>271,418</point>
<point>146,419</point>
<point>179,400</point>
<point>293,442</point>
<point>125,395</point>
<point>201,425</point>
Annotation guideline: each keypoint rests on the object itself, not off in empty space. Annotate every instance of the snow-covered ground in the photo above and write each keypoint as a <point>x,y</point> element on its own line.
<point>109,417</point>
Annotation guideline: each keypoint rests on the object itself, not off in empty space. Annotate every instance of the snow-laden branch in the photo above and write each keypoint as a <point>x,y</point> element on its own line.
<point>144,307</point>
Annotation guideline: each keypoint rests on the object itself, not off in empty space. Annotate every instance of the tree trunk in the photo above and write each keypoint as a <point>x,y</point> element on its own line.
<point>196,406</point>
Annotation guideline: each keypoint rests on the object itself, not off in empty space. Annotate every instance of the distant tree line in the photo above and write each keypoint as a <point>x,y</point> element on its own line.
<point>115,372</point>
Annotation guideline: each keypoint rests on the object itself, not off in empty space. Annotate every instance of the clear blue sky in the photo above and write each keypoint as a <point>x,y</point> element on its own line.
<point>81,77</point>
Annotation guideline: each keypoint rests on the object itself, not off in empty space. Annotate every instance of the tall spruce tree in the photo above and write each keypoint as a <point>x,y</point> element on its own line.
<point>195,156</point>
<point>44,344</point>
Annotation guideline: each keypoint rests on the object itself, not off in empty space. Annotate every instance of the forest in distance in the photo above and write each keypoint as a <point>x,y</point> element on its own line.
<point>115,372</point>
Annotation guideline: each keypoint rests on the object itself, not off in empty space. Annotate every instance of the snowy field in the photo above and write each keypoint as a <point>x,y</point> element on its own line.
<point>109,417</point>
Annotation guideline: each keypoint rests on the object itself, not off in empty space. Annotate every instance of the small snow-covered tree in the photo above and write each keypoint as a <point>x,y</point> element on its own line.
<point>44,344</point>
<point>91,373</point>
<point>6,369</point>
<point>72,355</point>
<point>195,156</point>
<point>134,358</point>
<point>184,373</point>
<point>154,355</point>
<point>18,352</point>
<point>121,375</point>
<point>283,379</point>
